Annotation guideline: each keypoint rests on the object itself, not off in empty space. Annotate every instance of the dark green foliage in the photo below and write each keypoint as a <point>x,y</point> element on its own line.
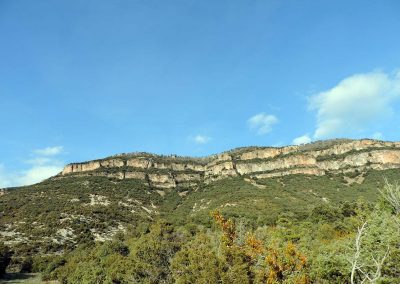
<point>39,211</point>
<point>144,259</point>
<point>5,258</point>
<point>153,253</point>
<point>294,194</point>
<point>314,250</point>
<point>171,238</point>
<point>197,262</point>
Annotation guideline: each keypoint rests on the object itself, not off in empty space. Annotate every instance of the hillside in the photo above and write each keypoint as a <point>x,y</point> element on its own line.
<point>139,187</point>
<point>126,193</point>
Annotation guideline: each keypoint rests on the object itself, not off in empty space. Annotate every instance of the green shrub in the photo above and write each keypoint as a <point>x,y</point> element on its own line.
<point>5,258</point>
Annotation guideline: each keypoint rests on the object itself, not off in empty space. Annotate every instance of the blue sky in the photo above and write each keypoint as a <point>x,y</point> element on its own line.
<point>81,80</point>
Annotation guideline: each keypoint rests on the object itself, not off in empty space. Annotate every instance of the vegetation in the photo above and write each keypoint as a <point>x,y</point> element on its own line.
<point>231,252</point>
<point>292,229</point>
<point>5,257</point>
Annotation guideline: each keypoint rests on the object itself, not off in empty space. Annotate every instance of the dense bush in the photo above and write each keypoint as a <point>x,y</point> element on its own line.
<point>314,250</point>
<point>297,230</point>
<point>5,258</point>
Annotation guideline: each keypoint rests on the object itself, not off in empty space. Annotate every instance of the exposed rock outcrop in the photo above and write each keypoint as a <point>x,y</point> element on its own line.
<point>316,158</point>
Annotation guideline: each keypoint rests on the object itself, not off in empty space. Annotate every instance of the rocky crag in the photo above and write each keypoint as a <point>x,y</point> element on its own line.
<point>318,158</point>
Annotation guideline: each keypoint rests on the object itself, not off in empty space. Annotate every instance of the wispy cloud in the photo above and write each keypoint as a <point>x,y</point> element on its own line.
<point>43,165</point>
<point>201,139</point>
<point>354,103</point>
<point>49,151</point>
<point>262,123</point>
<point>302,140</point>
<point>39,173</point>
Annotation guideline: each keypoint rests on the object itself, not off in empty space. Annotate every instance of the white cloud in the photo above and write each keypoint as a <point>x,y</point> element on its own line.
<point>262,123</point>
<point>49,151</point>
<point>39,161</point>
<point>38,173</point>
<point>355,103</point>
<point>201,139</point>
<point>302,140</point>
<point>42,166</point>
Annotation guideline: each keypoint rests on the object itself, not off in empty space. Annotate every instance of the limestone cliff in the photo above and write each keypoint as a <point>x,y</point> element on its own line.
<point>319,158</point>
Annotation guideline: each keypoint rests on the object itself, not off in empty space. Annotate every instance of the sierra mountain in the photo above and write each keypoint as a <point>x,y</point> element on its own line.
<point>126,193</point>
<point>320,158</point>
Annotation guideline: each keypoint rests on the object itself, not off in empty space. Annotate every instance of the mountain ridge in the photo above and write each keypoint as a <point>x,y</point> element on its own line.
<point>318,158</point>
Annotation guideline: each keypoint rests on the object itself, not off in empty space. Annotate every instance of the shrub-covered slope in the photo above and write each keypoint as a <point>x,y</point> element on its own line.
<point>280,192</point>
<point>59,214</point>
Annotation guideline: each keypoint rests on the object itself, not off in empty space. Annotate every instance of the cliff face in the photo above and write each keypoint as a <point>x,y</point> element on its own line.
<point>318,158</point>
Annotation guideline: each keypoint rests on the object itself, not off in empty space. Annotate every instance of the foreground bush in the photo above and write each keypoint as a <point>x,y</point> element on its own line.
<point>5,258</point>
<point>350,243</point>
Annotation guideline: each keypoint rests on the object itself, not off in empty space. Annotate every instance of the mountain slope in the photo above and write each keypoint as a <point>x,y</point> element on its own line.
<point>96,199</point>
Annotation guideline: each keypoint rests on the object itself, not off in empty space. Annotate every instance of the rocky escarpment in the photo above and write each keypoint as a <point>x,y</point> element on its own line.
<point>319,158</point>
